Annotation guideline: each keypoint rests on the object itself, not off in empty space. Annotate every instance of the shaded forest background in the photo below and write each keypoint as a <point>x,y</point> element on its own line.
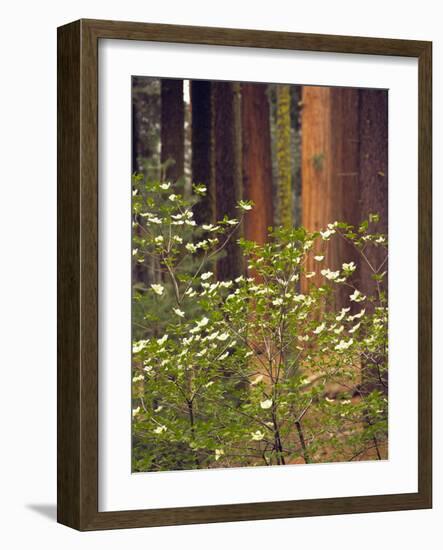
<point>305,155</point>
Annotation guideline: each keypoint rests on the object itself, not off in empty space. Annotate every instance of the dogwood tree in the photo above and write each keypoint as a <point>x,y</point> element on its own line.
<point>253,371</point>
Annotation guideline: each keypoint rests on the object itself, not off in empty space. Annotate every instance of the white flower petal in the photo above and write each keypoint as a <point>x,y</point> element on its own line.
<point>158,289</point>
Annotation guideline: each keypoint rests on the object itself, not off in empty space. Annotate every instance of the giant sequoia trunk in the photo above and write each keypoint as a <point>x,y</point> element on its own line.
<point>374,199</point>
<point>330,169</point>
<point>257,162</point>
<point>202,148</point>
<point>374,168</point>
<point>344,177</point>
<point>172,128</point>
<point>227,164</point>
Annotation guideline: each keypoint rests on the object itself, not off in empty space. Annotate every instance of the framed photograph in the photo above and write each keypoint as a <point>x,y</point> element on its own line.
<point>244,275</point>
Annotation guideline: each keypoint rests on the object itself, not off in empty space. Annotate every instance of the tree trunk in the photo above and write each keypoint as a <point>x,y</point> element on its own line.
<point>135,139</point>
<point>257,162</point>
<point>227,169</point>
<point>204,211</point>
<point>344,177</point>
<point>344,184</point>
<point>374,165</point>
<point>139,271</point>
<point>140,145</point>
<point>284,155</point>
<point>330,173</point>
<point>172,128</point>
<point>374,199</point>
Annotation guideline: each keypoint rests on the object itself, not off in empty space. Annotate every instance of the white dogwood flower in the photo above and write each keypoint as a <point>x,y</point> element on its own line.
<point>354,328</point>
<point>342,313</point>
<point>343,344</point>
<point>257,436</point>
<point>349,267</point>
<point>162,340</point>
<point>325,235</point>
<point>226,284</point>
<point>219,453</point>
<point>160,429</point>
<point>158,289</point>
<point>357,315</point>
<point>331,275</point>
<point>138,346</point>
<point>357,296</point>
<point>319,329</point>
<point>203,322</point>
<point>244,206</point>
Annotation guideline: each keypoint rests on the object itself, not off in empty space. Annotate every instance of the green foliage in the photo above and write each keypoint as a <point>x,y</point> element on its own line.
<point>285,194</point>
<point>318,161</point>
<point>239,372</point>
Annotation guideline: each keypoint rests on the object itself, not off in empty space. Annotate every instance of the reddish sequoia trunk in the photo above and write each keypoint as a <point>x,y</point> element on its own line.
<point>257,162</point>
<point>344,177</point>
<point>330,172</point>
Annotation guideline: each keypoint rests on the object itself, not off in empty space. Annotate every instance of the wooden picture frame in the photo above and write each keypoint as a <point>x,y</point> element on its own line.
<point>78,274</point>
